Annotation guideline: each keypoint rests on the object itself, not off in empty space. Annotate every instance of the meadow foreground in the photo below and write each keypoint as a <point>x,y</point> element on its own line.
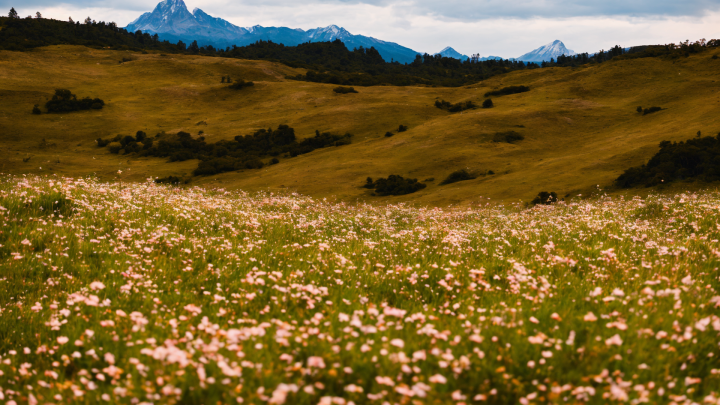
<point>137,293</point>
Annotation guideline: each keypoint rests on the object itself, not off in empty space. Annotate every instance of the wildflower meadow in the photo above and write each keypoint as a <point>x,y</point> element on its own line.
<point>146,294</point>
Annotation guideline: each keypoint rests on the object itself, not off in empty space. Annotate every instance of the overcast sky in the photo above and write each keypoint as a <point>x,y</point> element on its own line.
<point>506,28</point>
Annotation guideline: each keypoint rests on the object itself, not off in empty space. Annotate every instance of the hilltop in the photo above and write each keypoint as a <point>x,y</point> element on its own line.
<point>547,52</point>
<point>579,124</point>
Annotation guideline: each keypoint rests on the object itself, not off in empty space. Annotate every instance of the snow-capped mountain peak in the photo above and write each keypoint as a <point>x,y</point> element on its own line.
<point>329,33</point>
<point>449,52</point>
<point>547,52</point>
<point>172,21</point>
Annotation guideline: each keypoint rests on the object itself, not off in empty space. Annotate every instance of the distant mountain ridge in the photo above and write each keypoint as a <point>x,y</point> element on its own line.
<point>172,21</point>
<point>449,52</point>
<point>547,52</point>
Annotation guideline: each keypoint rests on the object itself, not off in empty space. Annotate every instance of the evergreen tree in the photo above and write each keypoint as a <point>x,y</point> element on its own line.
<point>88,21</point>
<point>70,20</point>
<point>38,15</point>
<point>13,13</point>
<point>194,48</point>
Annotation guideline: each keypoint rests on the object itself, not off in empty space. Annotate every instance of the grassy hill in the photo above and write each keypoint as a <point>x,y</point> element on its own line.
<point>580,125</point>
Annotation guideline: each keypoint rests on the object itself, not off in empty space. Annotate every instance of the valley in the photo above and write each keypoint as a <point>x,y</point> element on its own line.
<point>580,126</point>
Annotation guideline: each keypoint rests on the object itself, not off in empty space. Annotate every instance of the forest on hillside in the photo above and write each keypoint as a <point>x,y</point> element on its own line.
<point>326,62</point>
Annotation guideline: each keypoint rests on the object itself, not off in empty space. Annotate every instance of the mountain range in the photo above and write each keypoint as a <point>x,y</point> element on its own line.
<point>172,21</point>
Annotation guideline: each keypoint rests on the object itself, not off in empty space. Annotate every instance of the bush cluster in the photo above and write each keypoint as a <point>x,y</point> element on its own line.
<point>127,144</point>
<point>647,111</point>
<point>695,158</point>
<point>168,180</point>
<point>64,101</point>
<point>458,175</point>
<point>344,90</point>
<point>508,137</point>
<point>401,128</point>
<point>461,106</point>
<point>240,84</point>
<point>394,185</point>
<point>488,103</point>
<point>545,198</point>
<point>245,152</point>
<point>507,90</point>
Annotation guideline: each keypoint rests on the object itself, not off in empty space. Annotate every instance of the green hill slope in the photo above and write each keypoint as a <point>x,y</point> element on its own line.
<point>579,125</point>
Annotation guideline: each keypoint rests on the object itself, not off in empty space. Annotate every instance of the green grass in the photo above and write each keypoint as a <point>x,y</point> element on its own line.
<point>208,296</point>
<point>580,124</point>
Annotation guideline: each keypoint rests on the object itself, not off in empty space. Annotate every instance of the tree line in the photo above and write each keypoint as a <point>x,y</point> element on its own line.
<point>697,158</point>
<point>326,62</point>
<point>245,152</point>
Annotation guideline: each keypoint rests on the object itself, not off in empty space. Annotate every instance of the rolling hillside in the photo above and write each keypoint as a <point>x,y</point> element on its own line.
<point>580,125</point>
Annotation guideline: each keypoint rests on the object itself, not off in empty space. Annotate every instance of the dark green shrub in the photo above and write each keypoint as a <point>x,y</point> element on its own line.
<point>508,137</point>
<point>651,110</point>
<point>245,152</point>
<point>402,128</point>
<point>344,90</point>
<point>545,198</point>
<point>168,180</point>
<point>695,158</point>
<point>488,103</point>
<point>388,134</point>
<point>507,90</point>
<point>253,163</point>
<point>240,84</point>
<point>274,161</point>
<point>64,101</point>
<point>442,104</point>
<point>395,185</point>
<point>126,140</point>
<point>458,175</point>
<point>639,110</point>
<point>714,56</point>
<point>36,110</point>
<point>461,106</point>
<point>490,172</point>
<point>101,142</point>
<point>369,183</point>
<point>114,147</point>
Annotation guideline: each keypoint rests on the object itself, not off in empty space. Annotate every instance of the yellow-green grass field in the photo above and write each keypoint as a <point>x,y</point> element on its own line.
<point>580,125</point>
<point>144,294</point>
